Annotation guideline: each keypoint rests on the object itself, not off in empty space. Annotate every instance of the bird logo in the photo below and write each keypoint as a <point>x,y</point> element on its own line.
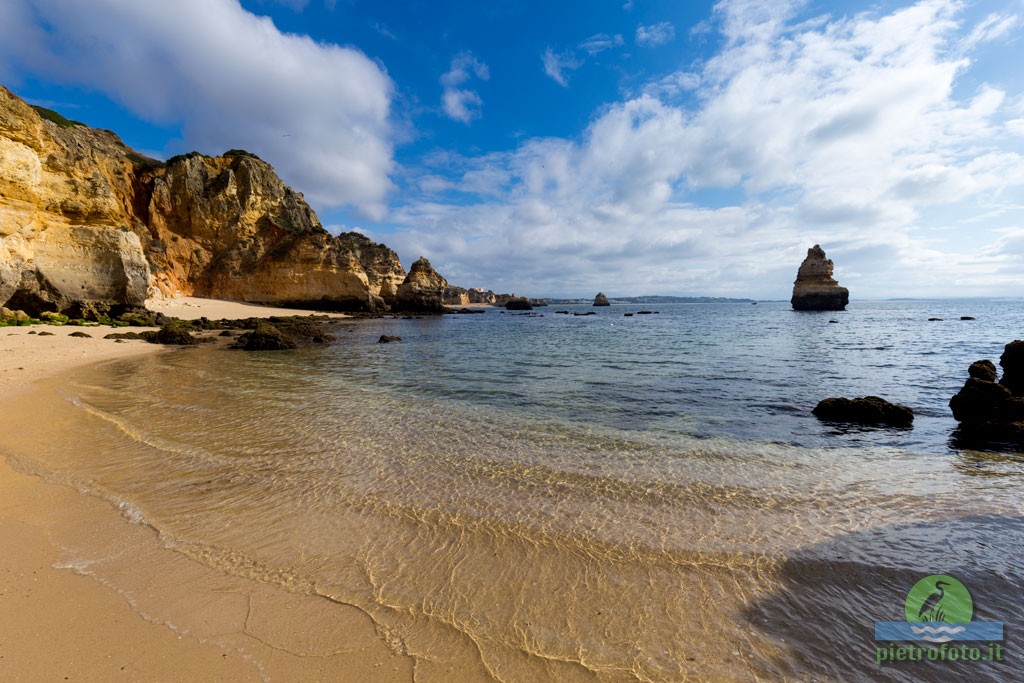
<point>939,599</point>
<point>931,609</point>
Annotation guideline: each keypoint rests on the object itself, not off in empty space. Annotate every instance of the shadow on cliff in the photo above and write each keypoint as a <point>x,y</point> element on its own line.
<point>834,592</point>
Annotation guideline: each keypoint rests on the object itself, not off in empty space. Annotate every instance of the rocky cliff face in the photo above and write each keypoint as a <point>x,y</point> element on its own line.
<point>86,222</point>
<point>68,240</point>
<point>815,289</point>
<point>423,289</point>
<point>456,296</point>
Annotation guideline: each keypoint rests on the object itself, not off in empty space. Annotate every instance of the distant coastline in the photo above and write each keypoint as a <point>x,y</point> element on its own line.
<point>653,299</point>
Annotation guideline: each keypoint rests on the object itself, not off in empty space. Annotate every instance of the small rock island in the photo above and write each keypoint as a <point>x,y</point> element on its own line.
<point>815,289</point>
<point>601,300</point>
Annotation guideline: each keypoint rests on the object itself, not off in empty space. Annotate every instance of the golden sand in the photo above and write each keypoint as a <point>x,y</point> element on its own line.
<point>61,622</point>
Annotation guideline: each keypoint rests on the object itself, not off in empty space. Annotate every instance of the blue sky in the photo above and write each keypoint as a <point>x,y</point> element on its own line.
<point>563,148</point>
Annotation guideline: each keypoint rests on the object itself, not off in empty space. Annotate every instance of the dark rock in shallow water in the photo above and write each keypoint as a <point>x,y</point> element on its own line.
<point>1012,363</point>
<point>266,337</point>
<point>815,289</point>
<point>989,411</point>
<point>934,320</point>
<point>983,369</point>
<point>866,410</point>
<point>172,335</point>
<point>966,317</point>
<point>387,339</point>
<point>518,304</point>
<point>121,336</point>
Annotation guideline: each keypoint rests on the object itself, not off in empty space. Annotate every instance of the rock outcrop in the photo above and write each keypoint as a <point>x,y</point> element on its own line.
<point>86,223</point>
<point>815,289</point>
<point>455,296</point>
<point>423,289</point>
<point>601,300</point>
<point>479,296</point>
<point>519,304</point>
<point>870,410</point>
<point>989,410</point>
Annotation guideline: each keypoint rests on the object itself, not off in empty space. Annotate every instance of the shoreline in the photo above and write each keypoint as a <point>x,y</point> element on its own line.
<point>169,618</point>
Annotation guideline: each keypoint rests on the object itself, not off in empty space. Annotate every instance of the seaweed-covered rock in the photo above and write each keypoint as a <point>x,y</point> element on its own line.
<point>266,337</point>
<point>172,335</point>
<point>120,336</point>
<point>870,410</point>
<point>387,339</point>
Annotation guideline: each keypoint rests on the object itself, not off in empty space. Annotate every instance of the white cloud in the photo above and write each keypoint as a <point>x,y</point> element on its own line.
<point>993,27</point>
<point>556,64</point>
<point>847,132</point>
<point>655,34</point>
<point>599,42</point>
<point>229,78</point>
<point>673,85</point>
<point>463,104</point>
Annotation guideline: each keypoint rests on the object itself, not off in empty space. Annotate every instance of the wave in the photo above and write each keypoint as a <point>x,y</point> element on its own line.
<point>934,631</point>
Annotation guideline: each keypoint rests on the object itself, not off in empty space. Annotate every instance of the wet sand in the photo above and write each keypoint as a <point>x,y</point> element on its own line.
<point>62,622</point>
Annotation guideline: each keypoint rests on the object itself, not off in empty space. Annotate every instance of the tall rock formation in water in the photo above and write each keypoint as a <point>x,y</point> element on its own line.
<point>601,300</point>
<point>88,223</point>
<point>815,289</point>
<point>423,289</point>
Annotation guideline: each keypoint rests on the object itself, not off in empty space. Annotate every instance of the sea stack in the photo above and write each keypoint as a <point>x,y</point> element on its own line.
<point>815,289</point>
<point>601,300</point>
<point>423,289</point>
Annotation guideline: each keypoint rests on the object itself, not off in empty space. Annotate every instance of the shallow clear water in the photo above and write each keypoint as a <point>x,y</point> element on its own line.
<point>562,497</point>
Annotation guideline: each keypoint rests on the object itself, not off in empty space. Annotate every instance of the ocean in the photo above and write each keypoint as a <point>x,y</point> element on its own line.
<point>561,497</point>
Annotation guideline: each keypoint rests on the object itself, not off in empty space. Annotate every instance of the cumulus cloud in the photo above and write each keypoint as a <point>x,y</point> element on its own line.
<point>846,131</point>
<point>463,104</point>
<point>230,79</point>
<point>655,34</point>
<point>557,63</point>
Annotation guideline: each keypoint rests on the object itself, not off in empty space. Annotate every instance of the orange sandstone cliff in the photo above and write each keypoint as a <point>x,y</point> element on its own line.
<point>88,224</point>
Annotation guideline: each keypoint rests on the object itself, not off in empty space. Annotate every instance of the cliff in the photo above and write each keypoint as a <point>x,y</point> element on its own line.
<point>815,289</point>
<point>86,223</point>
<point>422,290</point>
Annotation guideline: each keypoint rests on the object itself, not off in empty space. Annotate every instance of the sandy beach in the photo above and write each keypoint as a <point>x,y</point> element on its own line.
<point>60,622</point>
<point>193,308</point>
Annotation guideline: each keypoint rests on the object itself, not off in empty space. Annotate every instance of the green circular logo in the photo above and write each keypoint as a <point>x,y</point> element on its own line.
<point>939,598</point>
